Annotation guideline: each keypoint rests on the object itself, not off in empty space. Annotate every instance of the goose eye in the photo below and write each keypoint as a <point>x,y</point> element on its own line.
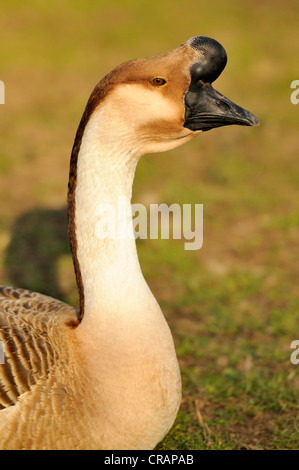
<point>158,81</point>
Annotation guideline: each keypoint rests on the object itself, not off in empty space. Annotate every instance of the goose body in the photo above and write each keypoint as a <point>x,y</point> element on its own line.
<point>107,377</point>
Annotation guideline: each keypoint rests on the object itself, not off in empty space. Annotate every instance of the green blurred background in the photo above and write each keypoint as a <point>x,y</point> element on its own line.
<point>233,306</point>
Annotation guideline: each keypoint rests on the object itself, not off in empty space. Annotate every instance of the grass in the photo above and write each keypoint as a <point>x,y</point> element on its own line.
<point>233,306</point>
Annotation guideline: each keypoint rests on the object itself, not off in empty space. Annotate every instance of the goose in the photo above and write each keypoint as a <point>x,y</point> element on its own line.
<point>106,376</point>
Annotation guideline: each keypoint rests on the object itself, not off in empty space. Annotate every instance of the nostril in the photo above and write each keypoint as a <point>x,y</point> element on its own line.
<point>223,105</point>
<point>200,84</point>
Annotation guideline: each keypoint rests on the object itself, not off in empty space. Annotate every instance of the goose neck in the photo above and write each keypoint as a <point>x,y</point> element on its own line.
<point>106,249</point>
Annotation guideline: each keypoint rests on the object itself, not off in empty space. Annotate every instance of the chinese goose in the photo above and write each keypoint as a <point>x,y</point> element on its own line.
<point>107,377</point>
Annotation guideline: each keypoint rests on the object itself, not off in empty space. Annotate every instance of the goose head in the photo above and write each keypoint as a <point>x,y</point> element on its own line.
<point>158,103</point>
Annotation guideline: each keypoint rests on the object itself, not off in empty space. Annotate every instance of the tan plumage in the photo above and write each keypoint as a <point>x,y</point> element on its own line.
<point>30,350</point>
<point>33,378</point>
<point>107,377</point>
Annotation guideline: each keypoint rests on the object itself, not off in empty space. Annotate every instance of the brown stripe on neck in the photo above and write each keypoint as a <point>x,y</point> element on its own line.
<point>97,96</point>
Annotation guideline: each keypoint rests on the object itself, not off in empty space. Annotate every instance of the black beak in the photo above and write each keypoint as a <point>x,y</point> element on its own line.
<point>206,108</point>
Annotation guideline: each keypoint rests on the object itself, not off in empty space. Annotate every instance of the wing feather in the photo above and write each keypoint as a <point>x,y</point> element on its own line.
<point>29,350</point>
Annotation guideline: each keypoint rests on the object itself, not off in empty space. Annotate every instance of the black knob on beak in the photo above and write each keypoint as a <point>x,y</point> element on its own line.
<point>206,108</point>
